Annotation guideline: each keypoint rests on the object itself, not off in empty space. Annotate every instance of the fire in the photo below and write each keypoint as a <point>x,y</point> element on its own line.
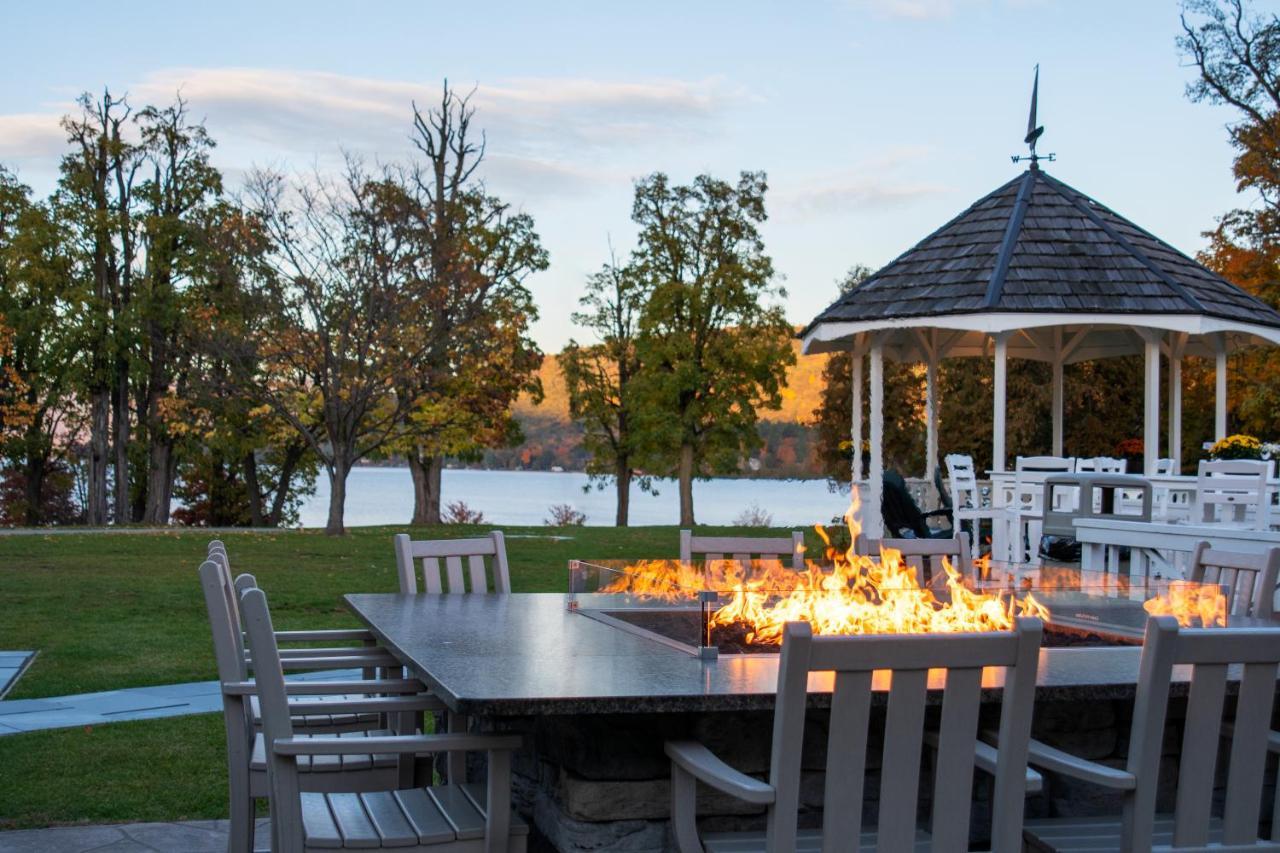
<point>857,595</point>
<point>1194,605</point>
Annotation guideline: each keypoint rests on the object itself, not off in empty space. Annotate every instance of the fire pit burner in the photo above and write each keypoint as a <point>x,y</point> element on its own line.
<point>690,607</point>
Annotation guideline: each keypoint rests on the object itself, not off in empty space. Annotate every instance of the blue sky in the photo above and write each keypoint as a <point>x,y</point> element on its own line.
<point>876,120</point>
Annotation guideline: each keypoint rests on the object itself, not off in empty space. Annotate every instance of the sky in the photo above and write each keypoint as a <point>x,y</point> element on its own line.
<point>875,120</point>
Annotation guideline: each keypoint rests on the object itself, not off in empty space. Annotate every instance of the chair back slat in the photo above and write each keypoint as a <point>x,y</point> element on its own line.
<point>743,548</point>
<point>1199,755</point>
<point>1209,653</point>
<point>1250,578</point>
<point>426,554</point>
<point>900,762</point>
<point>908,660</point>
<point>847,738</point>
<point>228,648</point>
<point>953,782</point>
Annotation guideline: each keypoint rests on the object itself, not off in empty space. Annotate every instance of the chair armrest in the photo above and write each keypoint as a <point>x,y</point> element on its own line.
<point>1055,760</point>
<point>372,686</point>
<point>370,705</point>
<point>324,636</point>
<point>703,765</point>
<point>985,758</point>
<point>335,652</point>
<point>343,662</point>
<point>403,745</point>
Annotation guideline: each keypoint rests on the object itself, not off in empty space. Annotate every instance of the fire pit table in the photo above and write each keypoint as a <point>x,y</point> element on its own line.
<point>597,695</point>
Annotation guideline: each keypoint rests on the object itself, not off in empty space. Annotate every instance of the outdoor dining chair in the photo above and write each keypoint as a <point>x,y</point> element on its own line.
<point>1192,825</point>
<point>1250,579</point>
<point>967,505</point>
<point>743,549</point>
<point>449,818</point>
<point>925,556</point>
<point>1024,511</point>
<point>1235,492</point>
<point>1099,465</point>
<point>342,709</point>
<point>427,553</point>
<point>854,661</point>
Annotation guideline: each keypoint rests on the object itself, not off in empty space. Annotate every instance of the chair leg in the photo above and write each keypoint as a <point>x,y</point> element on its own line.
<point>684,804</point>
<point>241,831</point>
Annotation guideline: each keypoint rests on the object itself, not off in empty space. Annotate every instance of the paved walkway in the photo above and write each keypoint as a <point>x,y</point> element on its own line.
<point>135,703</point>
<point>197,836</point>
<point>12,665</point>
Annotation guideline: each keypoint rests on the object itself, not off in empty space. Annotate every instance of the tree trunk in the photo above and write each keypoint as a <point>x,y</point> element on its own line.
<point>425,471</point>
<point>254,490</point>
<point>622,479</point>
<point>159,480</point>
<point>96,511</point>
<point>292,456</point>
<point>337,495</point>
<point>34,489</point>
<point>686,485</point>
<point>120,397</point>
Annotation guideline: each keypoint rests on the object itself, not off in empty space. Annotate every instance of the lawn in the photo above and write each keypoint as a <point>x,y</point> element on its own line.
<point>108,611</point>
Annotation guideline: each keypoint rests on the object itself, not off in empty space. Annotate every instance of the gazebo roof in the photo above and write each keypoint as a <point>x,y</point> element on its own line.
<point>1039,246</point>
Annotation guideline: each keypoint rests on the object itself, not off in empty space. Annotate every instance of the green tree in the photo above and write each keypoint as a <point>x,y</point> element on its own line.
<point>716,350</point>
<point>600,377</point>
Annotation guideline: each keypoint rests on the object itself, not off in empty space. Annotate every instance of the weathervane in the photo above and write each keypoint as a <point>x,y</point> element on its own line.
<point>1033,132</point>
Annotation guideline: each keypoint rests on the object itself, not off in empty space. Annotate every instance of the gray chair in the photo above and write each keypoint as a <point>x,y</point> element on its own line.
<point>743,548</point>
<point>853,661</point>
<point>925,556</point>
<point>1250,579</point>
<point>427,553</point>
<point>445,818</point>
<point>1191,826</point>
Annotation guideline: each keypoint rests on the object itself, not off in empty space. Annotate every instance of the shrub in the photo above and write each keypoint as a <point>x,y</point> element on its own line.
<point>459,513</point>
<point>754,516</point>
<point>564,515</point>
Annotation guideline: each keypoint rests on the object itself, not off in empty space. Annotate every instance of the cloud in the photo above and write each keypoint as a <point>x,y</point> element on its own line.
<point>877,183</point>
<point>545,135</point>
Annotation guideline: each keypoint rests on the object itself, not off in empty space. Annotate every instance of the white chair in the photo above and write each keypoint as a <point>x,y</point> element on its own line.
<point>428,552</point>
<point>1234,491</point>
<point>1025,508</point>
<point>1250,579</point>
<point>1165,467</point>
<point>743,549</point>
<point>853,661</point>
<point>446,818</point>
<point>1208,652</point>
<point>1099,465</point>
<point>340,715</point>
<point>966,498</point>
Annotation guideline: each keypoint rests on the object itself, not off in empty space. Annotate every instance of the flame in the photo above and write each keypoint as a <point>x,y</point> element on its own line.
<point>858,595</point>
<point>1193,605</point>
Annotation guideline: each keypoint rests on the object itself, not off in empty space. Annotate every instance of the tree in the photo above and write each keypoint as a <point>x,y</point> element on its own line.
<point>600,377</point>
<point>715,350</point>
<point>173,199</point>
<point>470,254</point>
<point>40,299</point>
<point>337,335</point>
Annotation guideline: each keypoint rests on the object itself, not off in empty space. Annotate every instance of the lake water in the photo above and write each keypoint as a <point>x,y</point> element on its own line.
<point>385,496</point>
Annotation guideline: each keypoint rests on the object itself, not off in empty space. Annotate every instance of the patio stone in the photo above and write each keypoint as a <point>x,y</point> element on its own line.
<point>199,836</point>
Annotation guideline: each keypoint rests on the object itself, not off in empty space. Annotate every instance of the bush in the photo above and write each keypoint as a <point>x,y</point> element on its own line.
<point>754,516</point>
<point>564,515</point>
<point>459,513</point>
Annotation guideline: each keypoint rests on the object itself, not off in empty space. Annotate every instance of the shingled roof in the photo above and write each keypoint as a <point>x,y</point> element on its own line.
<point>1036,245</point>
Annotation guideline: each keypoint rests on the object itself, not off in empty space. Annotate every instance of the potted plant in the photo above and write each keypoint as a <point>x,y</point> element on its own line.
<point>1236,447</point>
<point>1131,450</point>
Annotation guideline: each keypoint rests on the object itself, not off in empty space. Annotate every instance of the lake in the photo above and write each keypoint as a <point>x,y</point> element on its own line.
<point>385,496</point>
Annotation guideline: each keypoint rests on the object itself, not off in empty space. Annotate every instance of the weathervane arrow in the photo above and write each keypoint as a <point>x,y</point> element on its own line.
<point>1033,131</point>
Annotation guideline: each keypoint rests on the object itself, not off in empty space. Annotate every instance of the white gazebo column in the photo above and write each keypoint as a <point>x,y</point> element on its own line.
<point>855,425</point>
<point>998,386</point>
<point>930,419</point>
<point>873,522</point>
<point>1151,402</point>
<point>1177,343</point>
<point>1220,387</point>
<point>1057,402</point>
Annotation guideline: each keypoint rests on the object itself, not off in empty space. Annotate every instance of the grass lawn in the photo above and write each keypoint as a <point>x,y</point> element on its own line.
<point>108,611</point>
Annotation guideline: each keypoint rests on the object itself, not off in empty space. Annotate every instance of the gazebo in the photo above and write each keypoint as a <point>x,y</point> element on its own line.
<point>1037,270</point>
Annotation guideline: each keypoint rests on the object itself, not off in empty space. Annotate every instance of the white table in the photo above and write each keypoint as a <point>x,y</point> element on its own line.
<point>1156,544</point>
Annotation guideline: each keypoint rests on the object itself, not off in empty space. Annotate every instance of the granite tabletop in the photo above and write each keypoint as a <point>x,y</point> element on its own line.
<point>524,654</point>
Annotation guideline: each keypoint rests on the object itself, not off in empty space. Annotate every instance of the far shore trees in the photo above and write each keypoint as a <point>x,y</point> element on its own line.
<point>714,341</point>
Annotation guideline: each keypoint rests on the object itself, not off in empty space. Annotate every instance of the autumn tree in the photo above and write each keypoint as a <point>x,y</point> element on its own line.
<point>470,254</point>
<point>600,377</point>
<point>715,344</point>
<point>338,336</point>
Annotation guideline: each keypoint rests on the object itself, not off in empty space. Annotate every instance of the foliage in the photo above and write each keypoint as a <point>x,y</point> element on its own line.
<point>564,515</point>
<point>459,513</point>
<point>714,345</point>
<point>57,504</point>
<point>1236,447</point>
<point>754,516</point>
